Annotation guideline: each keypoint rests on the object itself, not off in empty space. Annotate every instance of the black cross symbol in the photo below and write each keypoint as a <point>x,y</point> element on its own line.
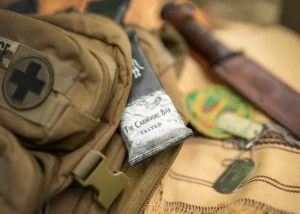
<point>27,82</point>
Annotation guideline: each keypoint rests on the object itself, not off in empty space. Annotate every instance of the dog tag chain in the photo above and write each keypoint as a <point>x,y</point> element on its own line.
<point>249,132</point>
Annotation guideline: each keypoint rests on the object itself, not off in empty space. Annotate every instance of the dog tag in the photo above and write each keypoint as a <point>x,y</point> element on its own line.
<point>234,175</point>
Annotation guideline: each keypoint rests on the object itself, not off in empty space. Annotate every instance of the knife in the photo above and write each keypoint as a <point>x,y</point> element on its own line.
<point>279,101</point>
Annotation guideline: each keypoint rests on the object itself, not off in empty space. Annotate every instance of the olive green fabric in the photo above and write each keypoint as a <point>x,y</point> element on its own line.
<point>98,53</point>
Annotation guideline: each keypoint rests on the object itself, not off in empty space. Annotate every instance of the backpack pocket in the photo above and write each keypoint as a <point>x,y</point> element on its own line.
<point>107,42</point>
<point>54,88</point>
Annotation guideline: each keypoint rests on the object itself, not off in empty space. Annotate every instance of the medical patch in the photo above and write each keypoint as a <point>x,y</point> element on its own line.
<point>27,79</point>
<point>206,104</point>
<point>28,82</point>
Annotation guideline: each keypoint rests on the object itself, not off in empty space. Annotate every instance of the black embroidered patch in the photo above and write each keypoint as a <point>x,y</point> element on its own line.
<point>28,82</point>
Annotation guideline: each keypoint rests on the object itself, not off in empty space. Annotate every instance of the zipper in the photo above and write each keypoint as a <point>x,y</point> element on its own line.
<point>160,179</point>
<point>101,102</point>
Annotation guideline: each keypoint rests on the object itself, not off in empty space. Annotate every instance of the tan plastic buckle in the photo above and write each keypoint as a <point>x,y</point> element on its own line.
<point>93,171</point>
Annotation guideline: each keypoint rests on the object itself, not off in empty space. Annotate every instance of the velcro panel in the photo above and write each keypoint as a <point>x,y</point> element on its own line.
<point>27,78</point>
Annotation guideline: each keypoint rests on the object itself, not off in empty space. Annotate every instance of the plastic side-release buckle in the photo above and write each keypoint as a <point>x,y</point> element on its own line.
<point>93,171</point>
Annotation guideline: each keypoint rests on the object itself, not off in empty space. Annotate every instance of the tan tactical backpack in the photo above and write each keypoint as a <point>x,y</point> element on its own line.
<point>65,81</point>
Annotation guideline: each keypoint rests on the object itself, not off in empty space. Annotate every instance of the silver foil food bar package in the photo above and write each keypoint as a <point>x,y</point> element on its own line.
<point>150,123</point>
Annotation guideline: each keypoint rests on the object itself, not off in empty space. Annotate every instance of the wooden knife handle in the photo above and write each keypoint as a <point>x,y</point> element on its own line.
<point>198,37</point>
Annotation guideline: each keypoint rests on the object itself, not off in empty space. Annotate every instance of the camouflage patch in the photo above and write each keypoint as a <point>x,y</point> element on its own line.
<point>7,51</point>
<point>206,104</point>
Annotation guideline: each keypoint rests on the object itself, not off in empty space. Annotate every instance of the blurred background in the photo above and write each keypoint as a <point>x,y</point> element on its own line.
<point>219,13</point>
<point>262,12</point>
<point>257,11</point>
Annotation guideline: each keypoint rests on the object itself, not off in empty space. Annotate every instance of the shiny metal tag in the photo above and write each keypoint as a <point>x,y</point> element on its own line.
<point>234,175</point>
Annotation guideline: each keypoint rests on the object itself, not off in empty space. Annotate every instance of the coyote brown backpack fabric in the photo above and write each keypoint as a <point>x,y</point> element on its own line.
<point>142,180</point>
<point>81,65</point>
<point>60,99</point>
